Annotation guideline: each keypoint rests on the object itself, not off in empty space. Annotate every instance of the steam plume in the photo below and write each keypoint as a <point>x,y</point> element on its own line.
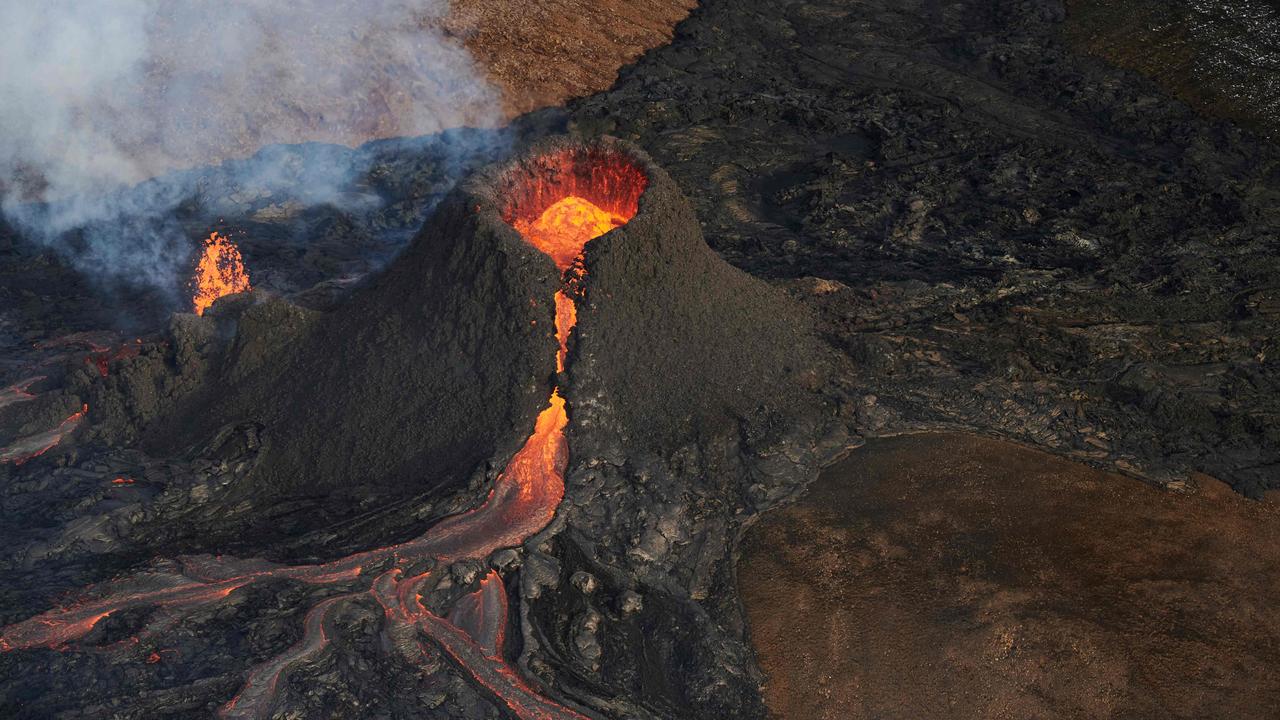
<point>99,96</point>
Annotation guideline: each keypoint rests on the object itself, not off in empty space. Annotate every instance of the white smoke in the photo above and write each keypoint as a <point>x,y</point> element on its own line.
<point>96,95</point>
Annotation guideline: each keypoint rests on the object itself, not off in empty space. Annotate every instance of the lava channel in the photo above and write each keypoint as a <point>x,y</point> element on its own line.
<point>522,502</point>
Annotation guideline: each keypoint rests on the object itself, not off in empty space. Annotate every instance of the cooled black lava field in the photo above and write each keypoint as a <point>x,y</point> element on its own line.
<point>847,220</point>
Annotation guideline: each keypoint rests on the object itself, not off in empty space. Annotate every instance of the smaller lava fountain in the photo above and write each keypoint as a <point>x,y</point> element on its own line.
<point>220,272</point>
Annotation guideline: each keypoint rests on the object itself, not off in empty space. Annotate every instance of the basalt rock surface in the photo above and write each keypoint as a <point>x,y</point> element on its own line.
<point>1001,234</point>
<point>989,231</point>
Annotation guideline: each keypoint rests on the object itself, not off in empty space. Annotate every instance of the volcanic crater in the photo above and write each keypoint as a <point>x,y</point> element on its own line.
<point>568,290</point>
<point>339,494</point>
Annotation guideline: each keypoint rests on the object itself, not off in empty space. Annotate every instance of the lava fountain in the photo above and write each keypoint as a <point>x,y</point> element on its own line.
<point>557,202</point>
<point>220,271</point>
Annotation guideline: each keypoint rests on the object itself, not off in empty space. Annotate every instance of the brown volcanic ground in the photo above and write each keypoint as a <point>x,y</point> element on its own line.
<point>953,576</point>
<point>518,57</point>
<point>544,53</point>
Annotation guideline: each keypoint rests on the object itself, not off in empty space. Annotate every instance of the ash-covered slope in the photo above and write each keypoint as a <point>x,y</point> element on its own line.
<point>674,344</point>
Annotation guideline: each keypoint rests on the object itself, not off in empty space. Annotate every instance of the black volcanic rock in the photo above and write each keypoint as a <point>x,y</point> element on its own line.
<point>435,366</point>
<point>993,233</point>
<point>440,364</point>
<point>1001,234</point>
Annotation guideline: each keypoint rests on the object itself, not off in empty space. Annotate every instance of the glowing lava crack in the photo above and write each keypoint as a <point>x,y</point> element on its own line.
<point>522,501</point>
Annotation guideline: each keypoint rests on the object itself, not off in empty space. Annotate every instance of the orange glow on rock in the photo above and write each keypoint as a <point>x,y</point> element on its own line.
<point>561,203</point>
<point>561,200</point>
<point>36,445</point>
<point>220,272</point>
<point>563,229</point>
<point>566,318</point>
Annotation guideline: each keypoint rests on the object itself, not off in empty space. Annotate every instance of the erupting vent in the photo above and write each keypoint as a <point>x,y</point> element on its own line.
<point>560,201</point>
<point>220,272</point>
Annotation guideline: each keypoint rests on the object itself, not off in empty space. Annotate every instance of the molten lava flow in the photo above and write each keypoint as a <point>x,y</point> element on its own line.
<point>220,272</point>
<point>563,229</point>
<point>259,689</point>
<point>566,318</point>
<point>522,502</point>
<point>483,614</point>
<point>23,449</point>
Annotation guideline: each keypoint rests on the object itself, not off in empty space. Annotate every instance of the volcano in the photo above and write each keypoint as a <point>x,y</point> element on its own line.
<point>379,454</point>
<point>492,449</point>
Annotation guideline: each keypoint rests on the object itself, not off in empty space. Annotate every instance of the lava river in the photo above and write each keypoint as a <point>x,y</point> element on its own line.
<point>522,501</point>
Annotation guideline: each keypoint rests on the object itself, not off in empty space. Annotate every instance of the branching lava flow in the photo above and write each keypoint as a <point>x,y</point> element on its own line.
<point>559,221</point>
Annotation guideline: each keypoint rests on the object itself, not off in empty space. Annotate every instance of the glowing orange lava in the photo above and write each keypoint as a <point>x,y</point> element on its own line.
<point>561,200</point>
<point>566,318</point>
<point>575,197</point>
<point>563,229</point>
<point>220,272</point>
<point>26,448</point>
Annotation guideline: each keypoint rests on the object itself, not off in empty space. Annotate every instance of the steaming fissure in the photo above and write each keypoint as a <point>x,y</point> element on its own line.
<point>552,215</point>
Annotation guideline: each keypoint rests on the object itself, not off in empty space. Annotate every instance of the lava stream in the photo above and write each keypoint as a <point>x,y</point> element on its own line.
<point>100,357</point>
<point>522,502</point>
<point>259,690</point>
<point>493,673</point>
<point>483,614</point>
